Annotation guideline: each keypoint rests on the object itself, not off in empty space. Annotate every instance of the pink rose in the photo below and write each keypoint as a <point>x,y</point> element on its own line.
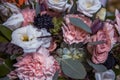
<point>28,15</point>
<point>100,52</point>
<point>73,34</point>
<point>36,66</point>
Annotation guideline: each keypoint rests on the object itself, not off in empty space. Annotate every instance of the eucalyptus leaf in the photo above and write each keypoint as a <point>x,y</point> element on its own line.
<point>79,23</point>
<point>5,32</point>
<point>97,67</point>
<point>37,8</point>
<point>4,78</point>
<point>96,43</point>
<point>73,68</point>
<point>55,77</point>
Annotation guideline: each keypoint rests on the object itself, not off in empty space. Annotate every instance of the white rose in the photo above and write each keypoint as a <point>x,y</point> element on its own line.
<point>14,21</point>
<point>59,5</point>
<point>26,37</point>
<point>107,75</point>
<point>88,7</point>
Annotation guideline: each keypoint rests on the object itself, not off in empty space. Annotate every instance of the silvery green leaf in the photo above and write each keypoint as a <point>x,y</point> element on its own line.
<point>55,77</point>
<point>96,43</point>
<point>37,8</point>
<point>79,23</point>
<point>73,68</point>
<point>97,67</point>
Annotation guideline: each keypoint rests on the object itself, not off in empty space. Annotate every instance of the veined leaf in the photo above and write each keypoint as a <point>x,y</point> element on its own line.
<point>5,32</point>
<point>79,23</point>
<point>73,68</point>
<point>97,67</point>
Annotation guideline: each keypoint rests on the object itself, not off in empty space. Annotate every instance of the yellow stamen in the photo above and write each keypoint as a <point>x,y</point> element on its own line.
<point>25,37</point>
<point>89,4</point>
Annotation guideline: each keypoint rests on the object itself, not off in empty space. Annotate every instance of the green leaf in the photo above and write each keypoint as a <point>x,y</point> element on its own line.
<point>55,77</point>
<point>37,8</point>
<point>96,43</point>
<point>4,70</point>
<point>97,67</point>
<point>4,78</point>
<point>73,68</point>
<point>79,23</point>
<point>2,39</point>
<point>6,32</point>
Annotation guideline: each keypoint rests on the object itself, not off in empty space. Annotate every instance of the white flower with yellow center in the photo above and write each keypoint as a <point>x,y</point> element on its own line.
<point>27,38</point>
<point>59,5</point>
<point>88,7</point>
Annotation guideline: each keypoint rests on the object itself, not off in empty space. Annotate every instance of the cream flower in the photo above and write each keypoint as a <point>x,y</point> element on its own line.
<point>59,5</point>
<point>88,7</point>
<point>26,37</point>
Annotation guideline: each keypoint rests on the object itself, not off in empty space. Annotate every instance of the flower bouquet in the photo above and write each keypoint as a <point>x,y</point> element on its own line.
<point>59,40</point>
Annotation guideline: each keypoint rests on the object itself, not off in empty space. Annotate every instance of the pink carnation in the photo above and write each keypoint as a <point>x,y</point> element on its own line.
<point>28,15</point>
<point>73,34</point>
<point>100,52</point>
<point>36,66</point>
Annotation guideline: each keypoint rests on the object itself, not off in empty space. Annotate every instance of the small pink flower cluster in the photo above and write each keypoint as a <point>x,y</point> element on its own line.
<point>28,15</point>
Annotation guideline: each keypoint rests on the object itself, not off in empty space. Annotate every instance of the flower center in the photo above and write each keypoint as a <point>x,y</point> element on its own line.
<point>89,4</point>
<point>56,1</point>
<point>25,37</point>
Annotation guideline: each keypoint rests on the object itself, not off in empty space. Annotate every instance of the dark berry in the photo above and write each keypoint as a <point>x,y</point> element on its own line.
<point>44,21</point>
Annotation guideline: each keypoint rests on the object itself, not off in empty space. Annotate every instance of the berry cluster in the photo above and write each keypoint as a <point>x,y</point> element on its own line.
<point>43,21</point>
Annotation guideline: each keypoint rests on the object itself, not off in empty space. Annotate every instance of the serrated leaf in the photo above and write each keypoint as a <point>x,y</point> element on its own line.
<point>96,43</point>
<point>73,68</point>
<point>79,23</point>
<point>55,77</point>
<point>97,67</point>
<point>5,32</point>
<point>2,39</point>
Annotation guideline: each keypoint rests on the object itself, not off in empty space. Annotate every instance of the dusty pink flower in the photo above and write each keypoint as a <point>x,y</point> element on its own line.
<point>100,52</point>
<point>28,15</point>
<point>73,34</point>
<point>36,66</point>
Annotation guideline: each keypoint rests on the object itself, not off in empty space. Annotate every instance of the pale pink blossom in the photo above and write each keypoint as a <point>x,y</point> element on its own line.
<point>100,51</point>
<point>36,66</point>
<point>73,34</point>
<point>28,15</point>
